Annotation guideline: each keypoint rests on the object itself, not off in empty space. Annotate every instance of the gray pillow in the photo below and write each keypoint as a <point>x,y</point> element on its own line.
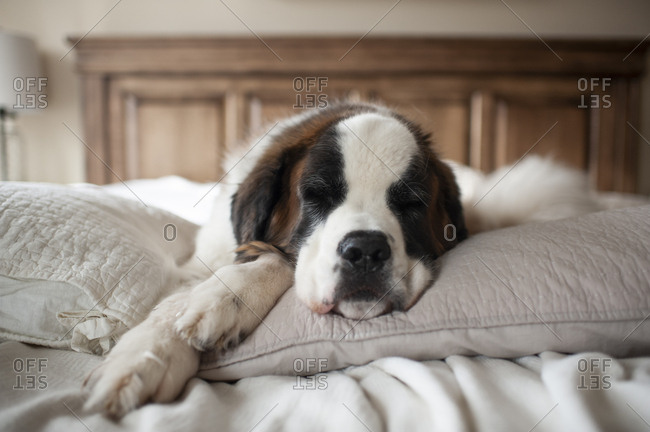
<point>579,284</point>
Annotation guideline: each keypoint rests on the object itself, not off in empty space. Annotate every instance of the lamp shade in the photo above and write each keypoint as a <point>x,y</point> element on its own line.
<point>21,80</point>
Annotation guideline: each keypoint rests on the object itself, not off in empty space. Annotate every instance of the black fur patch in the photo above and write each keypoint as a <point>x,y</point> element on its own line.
<point>323,187</point>
<point>409,199</point>
<point>426,202</point>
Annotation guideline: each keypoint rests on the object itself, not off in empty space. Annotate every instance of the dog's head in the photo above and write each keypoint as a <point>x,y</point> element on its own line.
<point>356,198</point>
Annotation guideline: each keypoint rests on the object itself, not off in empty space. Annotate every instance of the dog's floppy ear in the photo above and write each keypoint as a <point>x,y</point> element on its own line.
<point>265,207</point>
<point>448,222</point>
<point>445,212</point>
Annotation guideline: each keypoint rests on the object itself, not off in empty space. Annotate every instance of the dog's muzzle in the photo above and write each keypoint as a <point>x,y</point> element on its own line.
<point>364,266</point>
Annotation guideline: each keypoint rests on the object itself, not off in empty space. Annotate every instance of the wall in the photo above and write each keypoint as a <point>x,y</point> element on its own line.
<point>53,154</point>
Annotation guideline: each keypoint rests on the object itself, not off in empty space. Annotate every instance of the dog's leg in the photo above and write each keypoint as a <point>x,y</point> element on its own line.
<point>150,362</point>
<point>232,303</point>
<point>154,360</point>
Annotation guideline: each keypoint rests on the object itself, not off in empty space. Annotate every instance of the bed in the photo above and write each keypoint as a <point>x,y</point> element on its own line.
<point>537,327</point>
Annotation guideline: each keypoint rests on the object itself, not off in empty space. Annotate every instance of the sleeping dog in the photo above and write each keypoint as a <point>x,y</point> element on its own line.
<point>349,204</point>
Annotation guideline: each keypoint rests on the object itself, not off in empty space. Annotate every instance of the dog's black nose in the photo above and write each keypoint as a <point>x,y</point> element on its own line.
<point>365,251</point>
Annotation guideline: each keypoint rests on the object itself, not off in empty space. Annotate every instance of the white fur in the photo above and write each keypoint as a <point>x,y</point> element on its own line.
<point>536,189</point>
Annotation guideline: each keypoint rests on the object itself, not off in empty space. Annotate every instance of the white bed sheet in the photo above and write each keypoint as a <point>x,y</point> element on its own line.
<point>187,199</point>
<point>550,392</point>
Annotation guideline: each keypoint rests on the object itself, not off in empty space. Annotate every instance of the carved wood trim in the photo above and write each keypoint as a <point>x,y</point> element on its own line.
<point>373,55</point>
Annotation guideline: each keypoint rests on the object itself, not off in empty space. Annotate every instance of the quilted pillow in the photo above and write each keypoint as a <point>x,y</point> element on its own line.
<point>78,266</point>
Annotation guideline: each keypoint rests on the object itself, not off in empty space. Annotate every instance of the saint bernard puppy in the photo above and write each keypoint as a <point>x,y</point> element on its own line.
<point>349,204</point>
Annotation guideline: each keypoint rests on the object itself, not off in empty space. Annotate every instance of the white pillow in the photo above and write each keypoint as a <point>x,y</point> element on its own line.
<point>65,251</point>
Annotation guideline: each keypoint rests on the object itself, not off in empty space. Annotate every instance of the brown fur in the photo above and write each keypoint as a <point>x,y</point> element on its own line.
<point>250,251</point>
<point>445,209</point>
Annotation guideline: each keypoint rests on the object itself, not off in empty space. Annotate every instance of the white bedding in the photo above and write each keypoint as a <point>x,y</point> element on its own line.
<point>550,392</point>
<point>40,387</point>
<point>189,200</point>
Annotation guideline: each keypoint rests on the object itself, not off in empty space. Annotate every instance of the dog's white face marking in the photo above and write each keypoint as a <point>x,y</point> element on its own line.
<point>375,151</point>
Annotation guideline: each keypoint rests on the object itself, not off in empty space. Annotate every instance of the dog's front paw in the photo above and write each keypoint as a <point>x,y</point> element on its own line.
<point>143,366</point>
<point>119,385</point>
<point>215,320</point>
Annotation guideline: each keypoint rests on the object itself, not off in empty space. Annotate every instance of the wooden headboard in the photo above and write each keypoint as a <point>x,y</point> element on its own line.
<point>159,106</point>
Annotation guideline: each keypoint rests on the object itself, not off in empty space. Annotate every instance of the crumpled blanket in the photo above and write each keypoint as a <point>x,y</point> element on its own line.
<point>549,392</point>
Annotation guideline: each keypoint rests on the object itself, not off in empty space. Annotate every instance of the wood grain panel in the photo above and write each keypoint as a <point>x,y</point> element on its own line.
<point>179,137</point>
<point>95,116</point>
<point>265,109</point>
<point>560,131</point>
<point>165,126</point>
<point>482,131</point>
<point>281,98</point>
<point>446,119</point>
